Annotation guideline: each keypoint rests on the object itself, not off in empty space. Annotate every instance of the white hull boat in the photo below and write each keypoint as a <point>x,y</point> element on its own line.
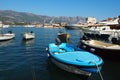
<point>7,36</point>
<point>28,36</point>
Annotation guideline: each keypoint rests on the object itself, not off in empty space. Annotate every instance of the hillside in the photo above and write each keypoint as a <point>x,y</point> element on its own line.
<point>9,16</point>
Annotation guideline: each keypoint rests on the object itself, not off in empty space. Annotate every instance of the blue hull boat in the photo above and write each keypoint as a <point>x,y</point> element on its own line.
<point>73,59</point>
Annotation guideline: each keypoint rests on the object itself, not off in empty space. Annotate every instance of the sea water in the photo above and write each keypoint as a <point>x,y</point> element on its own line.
<point>27,60</point>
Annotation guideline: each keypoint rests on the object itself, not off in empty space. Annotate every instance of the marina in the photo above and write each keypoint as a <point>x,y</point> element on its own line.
<point>41,40</point>
<point>27,60</point>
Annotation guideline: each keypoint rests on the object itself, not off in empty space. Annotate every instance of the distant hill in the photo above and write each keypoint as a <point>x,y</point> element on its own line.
<point>10,16</point>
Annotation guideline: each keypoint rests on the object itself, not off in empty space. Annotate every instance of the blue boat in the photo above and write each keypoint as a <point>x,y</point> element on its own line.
<point>74,59</point>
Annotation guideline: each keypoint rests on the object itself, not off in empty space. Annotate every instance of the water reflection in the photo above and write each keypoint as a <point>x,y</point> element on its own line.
<point>28,42</point>
<point>6,43</point>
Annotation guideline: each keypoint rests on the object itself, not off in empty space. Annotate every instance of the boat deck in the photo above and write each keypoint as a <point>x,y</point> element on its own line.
<point>102,44</point>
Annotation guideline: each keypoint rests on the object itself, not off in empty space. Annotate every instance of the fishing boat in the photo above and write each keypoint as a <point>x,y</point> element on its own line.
<point>101,48</point>
<point>28,35</point>
<point>73,59</point>
<point>5,36</point>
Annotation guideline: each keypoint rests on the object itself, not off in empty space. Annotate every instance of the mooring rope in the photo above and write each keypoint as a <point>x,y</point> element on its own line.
<point>97,69</point>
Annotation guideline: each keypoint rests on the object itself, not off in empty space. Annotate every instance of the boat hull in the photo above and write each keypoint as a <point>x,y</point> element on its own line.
<point>102,51</point>
<point>69,68</point>
<point>7,36</point>
<point>28,36</point>
<point>74,27</point>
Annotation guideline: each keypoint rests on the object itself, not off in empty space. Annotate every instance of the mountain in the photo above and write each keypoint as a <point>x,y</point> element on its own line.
<point>10,16</point>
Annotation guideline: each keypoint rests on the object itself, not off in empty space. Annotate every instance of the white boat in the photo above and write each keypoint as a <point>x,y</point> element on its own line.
<point>6,26</point>
<point>28,35</point>
<point>110,21</point>
<point>29,26</point>
<point>5,36</point>
<point>101,32</point>
<point>114,23</point>
<point>75,26</point>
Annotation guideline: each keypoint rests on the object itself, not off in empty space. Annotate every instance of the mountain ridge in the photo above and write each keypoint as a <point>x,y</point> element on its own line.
<point>11,16</point>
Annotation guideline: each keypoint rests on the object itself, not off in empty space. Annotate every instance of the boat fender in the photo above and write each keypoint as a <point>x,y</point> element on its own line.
<point>46,49</point>
<point>92,49</point>
<point>48,55</point>
<point>84,46</point>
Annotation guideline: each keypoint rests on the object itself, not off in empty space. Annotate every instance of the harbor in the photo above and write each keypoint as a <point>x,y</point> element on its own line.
<point>59,40</point>
<point>27,60</point>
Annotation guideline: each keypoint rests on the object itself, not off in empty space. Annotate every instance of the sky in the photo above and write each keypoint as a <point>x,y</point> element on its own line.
<point>100,9</point>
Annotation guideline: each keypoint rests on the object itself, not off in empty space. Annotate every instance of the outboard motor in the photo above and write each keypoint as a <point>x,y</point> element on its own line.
<point>10,32</point>
<point>31,32</point>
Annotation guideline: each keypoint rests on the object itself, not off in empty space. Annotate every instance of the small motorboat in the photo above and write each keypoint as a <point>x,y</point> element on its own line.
<point>74,59</point>
<point>104,49</point>
<point>28,35</point>
<point>5,36</point>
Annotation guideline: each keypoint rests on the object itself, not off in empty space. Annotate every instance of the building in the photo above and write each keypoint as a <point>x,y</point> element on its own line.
<point>91,20</point>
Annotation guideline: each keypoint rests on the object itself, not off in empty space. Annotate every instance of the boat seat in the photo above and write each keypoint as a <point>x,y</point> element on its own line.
<point>69,49</point>
<point>66,49</point>
<point>54,49</point>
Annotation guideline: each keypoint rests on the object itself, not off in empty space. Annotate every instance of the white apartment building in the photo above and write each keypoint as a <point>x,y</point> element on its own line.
<point>91,20</point>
